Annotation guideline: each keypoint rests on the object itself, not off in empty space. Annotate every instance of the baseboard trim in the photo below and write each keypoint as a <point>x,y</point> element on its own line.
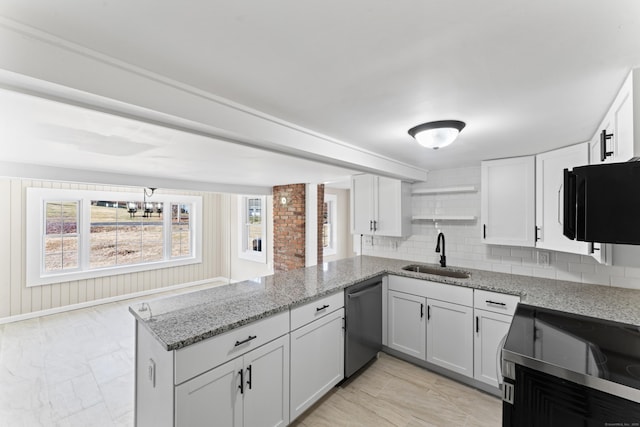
<point>92,303</point>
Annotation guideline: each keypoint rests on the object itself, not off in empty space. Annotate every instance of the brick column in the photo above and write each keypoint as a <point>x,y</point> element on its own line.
<point>289,227</point>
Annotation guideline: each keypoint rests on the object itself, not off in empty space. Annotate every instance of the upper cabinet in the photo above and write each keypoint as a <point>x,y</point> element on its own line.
<point>380,206</point>
<point>617,139</point>
<point>550,195</point>
<point>507,201</point>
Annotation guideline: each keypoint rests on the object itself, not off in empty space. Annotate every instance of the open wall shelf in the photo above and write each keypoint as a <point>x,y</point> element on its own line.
<point>445,190</point>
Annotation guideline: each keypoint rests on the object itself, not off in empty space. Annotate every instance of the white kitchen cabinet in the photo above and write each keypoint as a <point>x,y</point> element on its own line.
<point>200,384</point>
<point>619,132</point>
<point>406,327</point>
<point>550,197</point>
<point>450,336</point>
<point>211,396</point>
<point>250,391</point>
<point>380,206</point>
<point>431,321</point>
<point>317,360</point>
<point>491,328</point>
<point>508,201</point>
<point>493,313</point>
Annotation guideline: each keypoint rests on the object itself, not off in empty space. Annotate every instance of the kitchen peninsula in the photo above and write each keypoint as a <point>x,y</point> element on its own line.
<point>173,331</point>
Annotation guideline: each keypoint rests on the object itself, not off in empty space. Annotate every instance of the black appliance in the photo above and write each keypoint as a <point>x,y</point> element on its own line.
<point>564,369</point>
<point>363,324</point>
<point>602,203</point>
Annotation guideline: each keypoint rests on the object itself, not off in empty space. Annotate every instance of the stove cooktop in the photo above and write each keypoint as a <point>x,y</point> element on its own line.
<point>583,345</point>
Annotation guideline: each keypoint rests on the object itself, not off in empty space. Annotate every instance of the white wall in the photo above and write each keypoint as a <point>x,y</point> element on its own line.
<point>17,299</point>
<point>464,247</point>
<point>345,241</point>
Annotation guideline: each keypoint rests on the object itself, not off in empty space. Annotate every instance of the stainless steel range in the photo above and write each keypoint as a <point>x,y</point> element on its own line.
<point>564,369</point>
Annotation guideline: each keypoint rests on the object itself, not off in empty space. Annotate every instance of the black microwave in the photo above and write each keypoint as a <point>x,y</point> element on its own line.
<point>602,203</point>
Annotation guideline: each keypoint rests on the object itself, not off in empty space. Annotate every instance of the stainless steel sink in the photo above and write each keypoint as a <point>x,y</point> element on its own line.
<point>418,268</point>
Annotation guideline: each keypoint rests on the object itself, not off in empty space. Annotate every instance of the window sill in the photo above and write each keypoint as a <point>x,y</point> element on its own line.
<point>108,271</point>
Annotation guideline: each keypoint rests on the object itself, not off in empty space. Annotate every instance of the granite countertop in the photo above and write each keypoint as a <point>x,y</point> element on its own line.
<point>182,320</point>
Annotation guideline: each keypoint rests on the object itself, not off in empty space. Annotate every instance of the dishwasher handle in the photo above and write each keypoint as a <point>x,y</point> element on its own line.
<point>363,291</point>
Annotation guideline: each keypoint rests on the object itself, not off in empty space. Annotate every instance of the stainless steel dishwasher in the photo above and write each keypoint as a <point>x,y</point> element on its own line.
<point>363,324</point>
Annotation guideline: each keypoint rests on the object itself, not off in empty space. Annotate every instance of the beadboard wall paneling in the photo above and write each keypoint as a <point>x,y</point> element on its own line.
<point>17,299</point>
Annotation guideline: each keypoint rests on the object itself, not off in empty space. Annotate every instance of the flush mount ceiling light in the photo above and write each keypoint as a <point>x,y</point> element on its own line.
<point>437,134</point>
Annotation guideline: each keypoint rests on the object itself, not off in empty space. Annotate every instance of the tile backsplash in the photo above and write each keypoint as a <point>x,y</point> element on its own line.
<point>464,247</point>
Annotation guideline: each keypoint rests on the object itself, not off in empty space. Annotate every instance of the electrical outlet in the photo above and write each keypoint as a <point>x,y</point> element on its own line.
<point>544,258</point>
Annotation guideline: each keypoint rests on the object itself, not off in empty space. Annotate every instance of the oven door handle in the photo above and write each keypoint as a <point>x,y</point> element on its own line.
<point>499,359</point>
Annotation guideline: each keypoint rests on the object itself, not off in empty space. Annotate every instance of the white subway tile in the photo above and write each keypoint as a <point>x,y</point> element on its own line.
<point>632,272</point>
<point>626,282</point>
<point>547,273</point>
<point>565,257</point>
<point>595,278</point>
<point>522,253</point>
<point>501,268</point>
<point>582,268</point>
<point>571,277</point>
<point>522,271</point>
<point>500,251</point>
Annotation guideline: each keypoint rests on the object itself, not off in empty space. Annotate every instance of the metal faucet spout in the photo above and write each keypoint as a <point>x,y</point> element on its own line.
<point>443,258</point>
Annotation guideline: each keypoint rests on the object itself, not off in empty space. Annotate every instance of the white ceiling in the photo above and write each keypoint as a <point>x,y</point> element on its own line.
<point>526,76</point>
<point>38,131</point>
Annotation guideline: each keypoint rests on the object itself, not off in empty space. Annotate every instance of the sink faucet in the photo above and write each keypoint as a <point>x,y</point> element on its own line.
<point>443,259</point>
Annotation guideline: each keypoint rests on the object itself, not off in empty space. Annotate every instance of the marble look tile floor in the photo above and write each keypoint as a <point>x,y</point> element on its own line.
<point>76,369</point>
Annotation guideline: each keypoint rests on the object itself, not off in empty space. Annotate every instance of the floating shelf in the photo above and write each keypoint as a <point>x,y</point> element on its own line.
<point>443,217</point>
<point>441,190</point>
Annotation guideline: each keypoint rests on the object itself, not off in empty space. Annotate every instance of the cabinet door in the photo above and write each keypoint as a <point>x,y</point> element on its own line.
<point>211,398</point>
<point>490,329</point>
<point>317,360</point>
<point>389,207</point>
<point>550,197</point>
<point>266,385</point>
<point>362,204</point>
<point>450,336</point>
<point>406,323</point>
<point>507,201</point>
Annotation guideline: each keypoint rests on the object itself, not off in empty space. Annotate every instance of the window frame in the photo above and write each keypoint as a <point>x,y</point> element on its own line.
<point>332,205</point>
<point>35,223</point>
<point>244,252</point>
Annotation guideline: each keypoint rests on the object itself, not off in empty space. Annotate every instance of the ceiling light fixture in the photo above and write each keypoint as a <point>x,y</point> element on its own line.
<point>437,134</point>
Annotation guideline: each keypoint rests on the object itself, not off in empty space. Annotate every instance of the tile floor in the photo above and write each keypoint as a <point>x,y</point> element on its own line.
<point>76,369</point>
<point>391,392</point>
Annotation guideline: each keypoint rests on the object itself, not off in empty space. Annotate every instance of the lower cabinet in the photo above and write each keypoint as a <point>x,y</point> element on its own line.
<point>250,390</point>
<point>450,336</point>
<point>491,328</point>
<point>406,324</point>
<point>317,360</point>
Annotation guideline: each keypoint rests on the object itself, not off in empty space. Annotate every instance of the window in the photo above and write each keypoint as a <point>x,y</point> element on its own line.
<point>252,231</point>
<point>329,225</point>
<point>61,236</point>
<point>73,234</point>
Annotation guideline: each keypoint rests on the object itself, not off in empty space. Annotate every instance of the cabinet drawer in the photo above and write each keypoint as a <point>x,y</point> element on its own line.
<point>495,302</point>
<point>205,355</point>
<point>317,309</point>
<point>425,288</point>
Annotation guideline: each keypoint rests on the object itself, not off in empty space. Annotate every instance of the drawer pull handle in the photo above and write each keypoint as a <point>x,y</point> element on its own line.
<point>251,337</point>
<point>322,308</point>
<point>495,302</point>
